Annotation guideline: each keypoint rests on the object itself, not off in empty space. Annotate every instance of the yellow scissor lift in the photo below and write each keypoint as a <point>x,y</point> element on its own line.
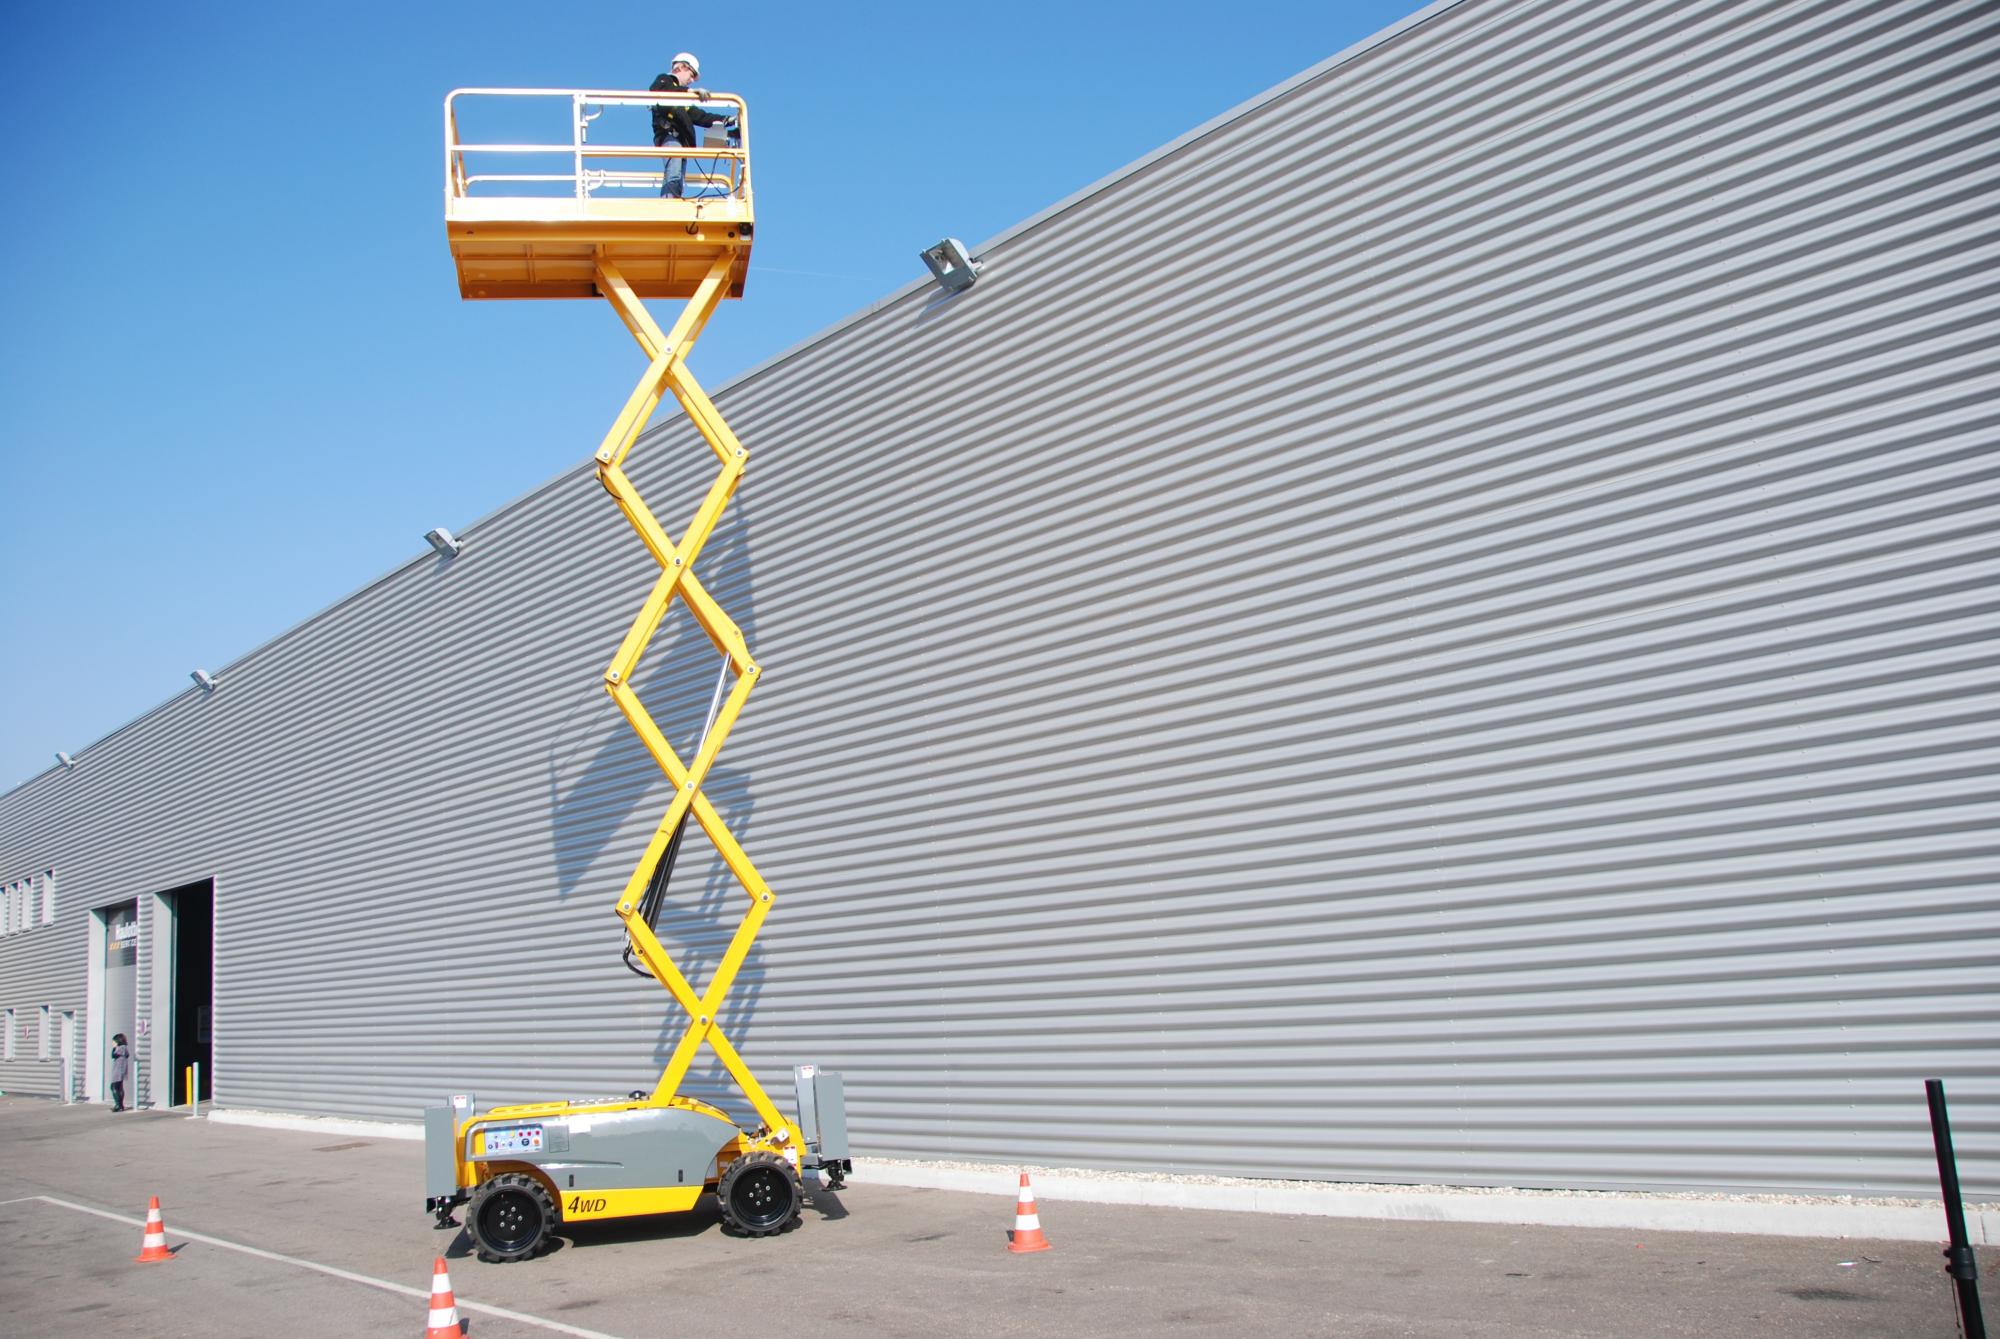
<point>596,225</point>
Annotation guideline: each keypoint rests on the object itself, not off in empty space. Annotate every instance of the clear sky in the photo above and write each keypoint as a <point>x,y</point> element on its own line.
<point>236,379</point>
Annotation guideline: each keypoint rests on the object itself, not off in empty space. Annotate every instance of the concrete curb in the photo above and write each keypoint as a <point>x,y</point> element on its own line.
<point>284,1120</point>
<point>1750,1215</point>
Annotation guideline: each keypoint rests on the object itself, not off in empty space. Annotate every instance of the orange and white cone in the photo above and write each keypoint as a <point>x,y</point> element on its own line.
<point>153,1246</point>
<point>444,1307</point>
<point>1027,1233</point>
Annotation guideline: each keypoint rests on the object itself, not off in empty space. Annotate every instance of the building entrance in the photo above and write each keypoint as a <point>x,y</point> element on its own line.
<point>191,994</point>
<point>121,991</point>
<point>72,1081</point>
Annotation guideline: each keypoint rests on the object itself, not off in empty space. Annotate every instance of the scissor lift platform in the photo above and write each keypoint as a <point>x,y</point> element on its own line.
<point>544,234</point>
<point>601,227</point>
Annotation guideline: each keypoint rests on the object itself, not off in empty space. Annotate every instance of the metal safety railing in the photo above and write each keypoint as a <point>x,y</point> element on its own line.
<point>710,170</point>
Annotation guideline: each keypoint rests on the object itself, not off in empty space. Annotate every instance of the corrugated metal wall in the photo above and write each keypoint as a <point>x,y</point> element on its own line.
<point>1439,629</point>
<point>36,962</point>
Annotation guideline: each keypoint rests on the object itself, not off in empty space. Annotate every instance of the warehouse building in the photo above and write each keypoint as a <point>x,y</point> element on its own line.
<point>1437,629</point>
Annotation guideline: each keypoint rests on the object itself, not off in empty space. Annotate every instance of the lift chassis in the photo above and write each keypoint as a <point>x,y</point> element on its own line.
<point>524,1170</point>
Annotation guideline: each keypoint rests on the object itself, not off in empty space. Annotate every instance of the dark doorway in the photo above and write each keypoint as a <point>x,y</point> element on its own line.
<point>193,987</point>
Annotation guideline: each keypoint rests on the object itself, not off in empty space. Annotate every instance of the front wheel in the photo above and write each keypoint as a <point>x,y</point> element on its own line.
<point>759,1195</point>
<point>510,1218</point>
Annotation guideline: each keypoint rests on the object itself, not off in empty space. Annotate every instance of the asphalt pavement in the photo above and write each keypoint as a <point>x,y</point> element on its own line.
<point>278,1233</point>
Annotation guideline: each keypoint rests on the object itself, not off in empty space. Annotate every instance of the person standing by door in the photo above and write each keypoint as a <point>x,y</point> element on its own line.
<point>121,1069</point>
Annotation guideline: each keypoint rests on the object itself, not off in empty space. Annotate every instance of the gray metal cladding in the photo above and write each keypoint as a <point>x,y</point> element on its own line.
<point>34,963</point>
<point>1439,629</point>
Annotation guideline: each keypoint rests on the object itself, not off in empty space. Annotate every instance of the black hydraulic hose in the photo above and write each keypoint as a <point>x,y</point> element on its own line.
<point>656,892</point>
<point>663,873</point>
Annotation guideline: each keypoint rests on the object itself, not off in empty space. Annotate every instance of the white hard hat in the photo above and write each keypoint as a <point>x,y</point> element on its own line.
<point>687,56</point>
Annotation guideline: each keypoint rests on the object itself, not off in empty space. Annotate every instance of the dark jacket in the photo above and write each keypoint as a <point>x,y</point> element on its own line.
<point>677,123</point>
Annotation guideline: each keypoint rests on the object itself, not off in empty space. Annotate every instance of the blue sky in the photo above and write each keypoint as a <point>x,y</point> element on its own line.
<point>236,379</point>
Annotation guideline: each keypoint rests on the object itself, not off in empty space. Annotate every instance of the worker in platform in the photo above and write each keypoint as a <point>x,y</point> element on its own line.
<point>676,124</point>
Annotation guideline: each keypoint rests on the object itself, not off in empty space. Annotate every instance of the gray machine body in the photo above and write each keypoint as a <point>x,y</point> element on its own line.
<point>822,1113</point>
<point>440,1168</point>
<point>615,1150</point>
<point>440,1173</point>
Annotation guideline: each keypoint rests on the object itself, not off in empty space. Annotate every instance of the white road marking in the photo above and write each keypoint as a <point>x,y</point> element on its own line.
<point>479,1308</point>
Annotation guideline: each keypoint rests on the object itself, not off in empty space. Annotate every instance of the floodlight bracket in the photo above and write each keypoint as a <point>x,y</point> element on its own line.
<point>949,264</point>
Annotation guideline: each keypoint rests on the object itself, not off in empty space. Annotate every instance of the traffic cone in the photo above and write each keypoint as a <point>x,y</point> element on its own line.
<point>444,1308</point>
<point>1027,1234</point>
<point>153,1246</point>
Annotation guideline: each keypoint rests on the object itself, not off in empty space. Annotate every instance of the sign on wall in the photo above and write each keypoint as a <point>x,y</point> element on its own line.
<point>121,939</point>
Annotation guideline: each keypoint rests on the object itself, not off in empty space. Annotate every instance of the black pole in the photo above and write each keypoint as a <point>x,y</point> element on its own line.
<point>1958,1255</point>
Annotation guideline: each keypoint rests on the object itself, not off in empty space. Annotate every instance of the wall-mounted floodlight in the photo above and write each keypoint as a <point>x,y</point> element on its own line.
<point>203,679</point>
<point>442,540</point>
<point>65,759</point>
<point>950,266</point>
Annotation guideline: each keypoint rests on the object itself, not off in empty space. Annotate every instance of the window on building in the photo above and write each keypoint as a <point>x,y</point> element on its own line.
<point>7,1036</point>
<point>45,1043</point>
<point>48,897</point>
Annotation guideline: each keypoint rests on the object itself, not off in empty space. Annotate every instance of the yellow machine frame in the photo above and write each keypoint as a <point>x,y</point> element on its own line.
<point>535,247</point>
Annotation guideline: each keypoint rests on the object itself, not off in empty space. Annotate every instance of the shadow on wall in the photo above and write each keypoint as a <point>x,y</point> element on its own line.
<point>606,793</point>
<point>599,774</point>
<point>696,931</point>
<point>940,306</point>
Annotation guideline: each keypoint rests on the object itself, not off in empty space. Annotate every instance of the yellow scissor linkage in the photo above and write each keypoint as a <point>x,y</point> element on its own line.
<point>667,372</point>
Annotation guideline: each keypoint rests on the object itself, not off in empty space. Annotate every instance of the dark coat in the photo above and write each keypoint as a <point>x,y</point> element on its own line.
<point>677,124</point>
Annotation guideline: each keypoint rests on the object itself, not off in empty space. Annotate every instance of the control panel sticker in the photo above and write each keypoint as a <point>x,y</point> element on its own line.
<point>514,1139</point>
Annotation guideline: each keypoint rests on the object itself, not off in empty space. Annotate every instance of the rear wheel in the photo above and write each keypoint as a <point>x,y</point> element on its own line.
<point>510,1218</point>
<point>759,1195</point>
